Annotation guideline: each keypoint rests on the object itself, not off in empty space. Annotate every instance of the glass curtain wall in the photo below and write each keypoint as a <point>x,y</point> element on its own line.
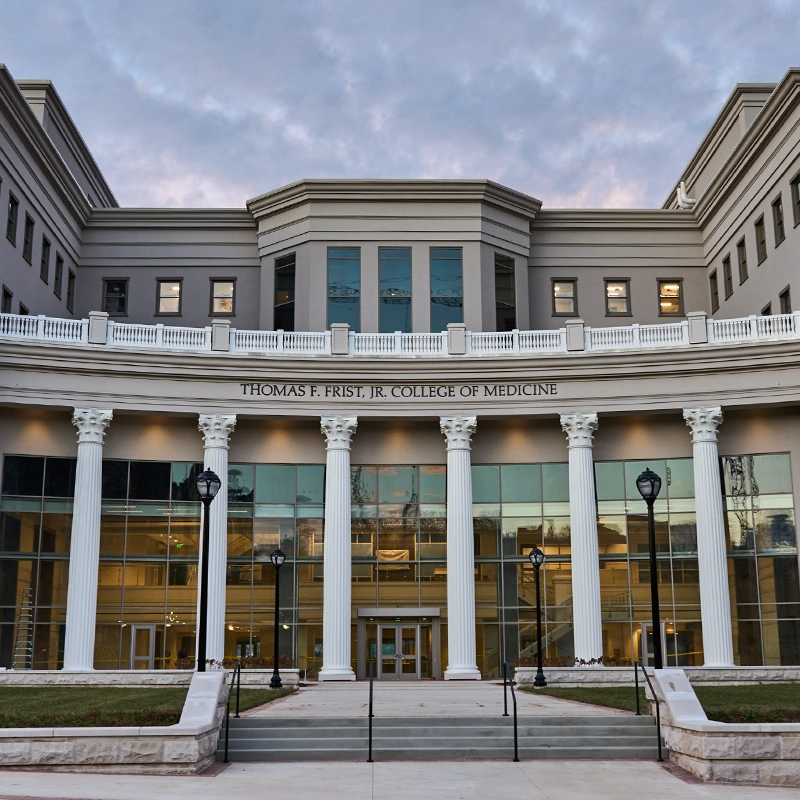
<point>35,528</point>
<point>149,549</point>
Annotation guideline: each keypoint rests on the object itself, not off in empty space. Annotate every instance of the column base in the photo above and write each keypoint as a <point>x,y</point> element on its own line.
<point>462,674</point>
<point>337,674</point>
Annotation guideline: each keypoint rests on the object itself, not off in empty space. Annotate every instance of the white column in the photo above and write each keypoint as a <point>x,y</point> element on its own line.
<point>337,569</point>
<point>84,548</point>
<point>583,537</point>
<point>462,664</point>
<point>715,600</point>
<point>216,430</point>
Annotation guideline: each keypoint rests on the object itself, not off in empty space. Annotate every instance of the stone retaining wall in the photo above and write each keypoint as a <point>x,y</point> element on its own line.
<point>623,676</point>
<point>133,677</point>
<point>766,754</point>
<point>186,748</point>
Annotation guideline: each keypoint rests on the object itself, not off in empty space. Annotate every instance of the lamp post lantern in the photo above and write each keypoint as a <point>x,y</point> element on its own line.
<point>277,558</point>
<point>208,484</point>
<point>649,485</point>
<point>536,557</point>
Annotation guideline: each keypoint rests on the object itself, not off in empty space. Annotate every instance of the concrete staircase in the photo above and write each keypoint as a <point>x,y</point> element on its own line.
<point>440,739</point>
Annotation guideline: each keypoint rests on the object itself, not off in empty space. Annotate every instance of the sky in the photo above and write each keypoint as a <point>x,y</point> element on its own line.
<point>579,103</point>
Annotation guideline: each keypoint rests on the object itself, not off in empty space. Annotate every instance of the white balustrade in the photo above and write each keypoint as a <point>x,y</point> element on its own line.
<point>289,343</point>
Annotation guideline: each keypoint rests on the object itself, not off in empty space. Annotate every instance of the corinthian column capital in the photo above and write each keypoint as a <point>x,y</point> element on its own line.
<point>458,431</point>
<point>91,424</point>
<point>216,429</point>
<point>338,431</point>
<point>579,428</point>
<point>703,422</point>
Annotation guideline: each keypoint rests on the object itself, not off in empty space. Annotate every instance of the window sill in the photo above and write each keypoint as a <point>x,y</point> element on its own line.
<point>167,314</point>
<point>221,314</point>
<point>627,314</point>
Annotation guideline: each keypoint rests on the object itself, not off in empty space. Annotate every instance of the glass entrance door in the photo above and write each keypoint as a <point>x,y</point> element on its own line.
<point>399,652</point>
<point>143,646</point>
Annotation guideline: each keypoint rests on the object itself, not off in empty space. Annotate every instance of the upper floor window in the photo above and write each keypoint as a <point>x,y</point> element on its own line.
<point>727,276</point>
<point>27,241</point>
<point>8,296</point>
<point>714,287</point>
<point>394,268</point>
<point>447,288</point>
<point>618,298</point>
<point>565,297</point>
<point>58,276</point>
<point>795,186</point>
<point>777,220</point>
<point>670,297</point>
<point>767,310</point>
<point>11,219</point>
<point>70,291</point>
<point>168,300</point>
<point>344,286</point>
<point>741,256</point>
<point>23,310</point>
<point>223,296</point>
<point>761,240</point>
<point>285,271</point>
<point>505,297</point>
<point>44,264</point>
<point>785,298</point>
<point>115,296</point>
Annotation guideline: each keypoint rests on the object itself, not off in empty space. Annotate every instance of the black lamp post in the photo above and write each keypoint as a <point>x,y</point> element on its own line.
<point>649,485</point>
<point>207,484</point>
<point>277,558</point>
<point>536,557</point>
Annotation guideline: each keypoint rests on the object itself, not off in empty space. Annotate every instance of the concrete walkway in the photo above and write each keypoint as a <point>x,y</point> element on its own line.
<point>422,699</point>
<point>460,780</point>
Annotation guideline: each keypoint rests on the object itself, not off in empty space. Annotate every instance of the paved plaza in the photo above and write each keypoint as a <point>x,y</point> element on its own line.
<point>422,699</point>
<point>460,780</point>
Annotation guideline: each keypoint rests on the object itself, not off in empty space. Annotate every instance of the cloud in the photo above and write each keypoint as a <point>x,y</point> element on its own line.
<point>203,103</point>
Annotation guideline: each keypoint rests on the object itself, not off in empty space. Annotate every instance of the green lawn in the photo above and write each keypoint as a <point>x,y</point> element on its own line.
<point>762,703</point>
<point>84,706</point>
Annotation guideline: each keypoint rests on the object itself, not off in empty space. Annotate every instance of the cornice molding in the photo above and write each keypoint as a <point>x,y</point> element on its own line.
<point>614,218</point>
<point>208,218</point>
<point>307,190</point>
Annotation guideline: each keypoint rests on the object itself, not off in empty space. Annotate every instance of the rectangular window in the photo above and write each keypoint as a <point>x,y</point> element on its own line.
<point>670,297</point>
<point>344,286</point>
<point>447,290</point>
<point>23,310</point>
<point>786,301</point>
<point>565,298</point>
<point>27,241</point>
<point>761,240</point>
<point>168,300</point>
<point>796,199</point>
<point>741,255</point>
<point>11,219</point>
<point>285,272</point>
<point>223,297</point>
<point>777,220</point>
<point>394,269</point>
<point>767,310</point>
<point>727,276</point>
<point>44,265</point>
<point>505,293</point>
<point>115,296</point>
<point>70,290</point>
<point>6,304</point>
<point>618,298</point>
<point>59,276</point>
<point>714,287</point>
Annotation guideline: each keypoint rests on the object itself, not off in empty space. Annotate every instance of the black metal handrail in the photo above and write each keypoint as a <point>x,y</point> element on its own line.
<point>371,715</point>
<point>237,678</point>
<point>636,665</point>
<point>507,676</point>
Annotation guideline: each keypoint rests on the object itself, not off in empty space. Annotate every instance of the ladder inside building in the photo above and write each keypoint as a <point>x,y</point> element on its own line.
<point>23,646</point>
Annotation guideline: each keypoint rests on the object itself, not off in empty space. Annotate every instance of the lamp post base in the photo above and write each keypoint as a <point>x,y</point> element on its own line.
<point>539,680</point>
<point>275,683</point>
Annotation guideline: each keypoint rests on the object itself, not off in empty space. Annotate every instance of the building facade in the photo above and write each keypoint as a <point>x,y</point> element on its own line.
<point>409,385</point>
